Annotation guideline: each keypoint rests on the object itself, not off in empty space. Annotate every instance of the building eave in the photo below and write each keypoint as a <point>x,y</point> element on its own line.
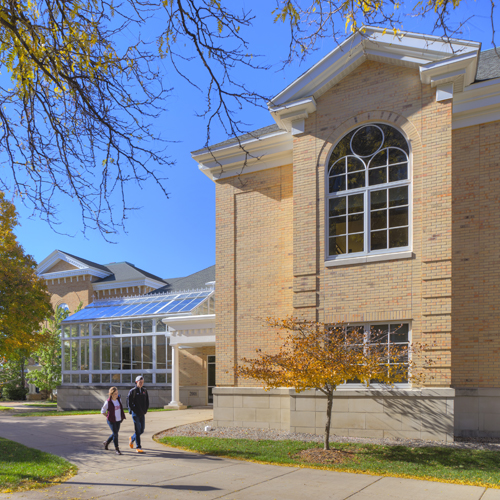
<point>269,151</point>
<point>111,285</point>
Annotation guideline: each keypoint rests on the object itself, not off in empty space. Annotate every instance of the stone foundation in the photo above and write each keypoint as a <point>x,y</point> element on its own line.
<point>477,412</point>
<point>93,397</point>
<point>193,395</point>
<point>417,413</point>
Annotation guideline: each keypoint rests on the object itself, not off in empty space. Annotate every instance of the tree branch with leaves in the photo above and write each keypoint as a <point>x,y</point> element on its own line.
<point>24,298</point>
<point>313,355</point>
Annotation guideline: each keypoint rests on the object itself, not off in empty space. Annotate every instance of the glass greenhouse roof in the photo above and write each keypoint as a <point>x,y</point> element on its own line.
<point>147,305</point>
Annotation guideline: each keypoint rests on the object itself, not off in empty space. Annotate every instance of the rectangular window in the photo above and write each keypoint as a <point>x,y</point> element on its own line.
<point>84,330</point>
<point>387,334</point>
<point>74,355</point>
<point>161,378</point>
<point>126,353</point>
<point>115,328</point>
<point>126,378</point>
<point>67,355</point>
<point>160,326</point>
<point>96,354</point>
<point>115,354</point>
<point>74,330</point>
<point>136,353</point>
<point>126,327</point>
<point>161,352</point>
<point>136,326</point>
<point>96,378</point>
<point>66,331</point>
<point>147,326</point>
<point>147,353</point>
<point>106,354</point>
<point>84,354</point>
<point>389,209</point>
<point>106,329</point>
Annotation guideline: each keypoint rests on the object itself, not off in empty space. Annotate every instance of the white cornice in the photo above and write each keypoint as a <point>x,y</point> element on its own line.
<point>290,112</point>
<point>269,151</point>
<point>111,285</point>
<point>74,272</point>
<point>191,330</point>
<point>200,321</point>
<point>437,73</point>
<point>478,103</point>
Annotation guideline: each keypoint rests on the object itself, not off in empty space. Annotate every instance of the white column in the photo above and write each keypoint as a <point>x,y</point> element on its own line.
<point>175,403</point>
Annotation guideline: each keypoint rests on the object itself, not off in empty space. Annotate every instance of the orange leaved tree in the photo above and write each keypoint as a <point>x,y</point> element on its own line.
<point>24,299</point>
<point>317,356</point>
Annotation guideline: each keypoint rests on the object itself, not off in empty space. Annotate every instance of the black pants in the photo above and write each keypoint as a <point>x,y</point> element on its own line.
<point>115,427</point>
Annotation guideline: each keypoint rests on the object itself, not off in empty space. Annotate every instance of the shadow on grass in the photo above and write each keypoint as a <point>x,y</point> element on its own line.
<point>465,459</point>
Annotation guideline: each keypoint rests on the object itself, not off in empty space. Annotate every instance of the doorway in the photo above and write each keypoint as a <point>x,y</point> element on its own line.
<point>210,378</point>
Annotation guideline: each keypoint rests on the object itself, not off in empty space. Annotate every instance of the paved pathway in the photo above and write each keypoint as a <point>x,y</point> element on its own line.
<point>169,473</point>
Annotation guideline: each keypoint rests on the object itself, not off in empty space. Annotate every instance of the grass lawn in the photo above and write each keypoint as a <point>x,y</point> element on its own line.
<point>450,465</point>
<point>49,404</point>
<point>23,468</point>
<point>5,408</point>
<point>71,412</point>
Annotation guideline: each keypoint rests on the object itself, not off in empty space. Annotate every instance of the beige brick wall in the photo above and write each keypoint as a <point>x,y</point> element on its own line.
<point>61,265</point>
<point>193,366</point>
<point>71,291</point>
<point>475,270</point>
<point>254,246</point>
<point>252,282</point>
<point>397,289</point>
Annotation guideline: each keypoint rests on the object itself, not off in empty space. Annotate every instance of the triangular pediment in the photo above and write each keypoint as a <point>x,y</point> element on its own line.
<point>61,264</point>
<point>437,61</point>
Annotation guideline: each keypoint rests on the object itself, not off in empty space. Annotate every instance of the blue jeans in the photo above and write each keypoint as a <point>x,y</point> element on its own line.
<point>139,426</point>
<point>115,427</point>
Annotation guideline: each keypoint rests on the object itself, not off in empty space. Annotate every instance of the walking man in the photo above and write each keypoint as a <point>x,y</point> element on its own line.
<point>138,405</point>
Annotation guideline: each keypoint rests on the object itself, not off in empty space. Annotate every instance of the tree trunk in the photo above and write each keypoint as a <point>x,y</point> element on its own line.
<point>23,377</point>
<point>328,418</point>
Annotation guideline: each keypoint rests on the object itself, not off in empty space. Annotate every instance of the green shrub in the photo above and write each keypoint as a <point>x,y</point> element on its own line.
<point>12,392</point>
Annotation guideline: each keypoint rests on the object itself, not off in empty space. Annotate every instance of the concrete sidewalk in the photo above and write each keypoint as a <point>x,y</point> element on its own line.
<point>168,473</point>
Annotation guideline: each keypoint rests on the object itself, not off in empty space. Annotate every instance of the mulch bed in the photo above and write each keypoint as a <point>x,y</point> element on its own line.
<point>326,457</point>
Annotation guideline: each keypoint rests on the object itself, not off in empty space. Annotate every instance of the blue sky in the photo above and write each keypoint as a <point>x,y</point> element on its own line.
<point>176,236</point>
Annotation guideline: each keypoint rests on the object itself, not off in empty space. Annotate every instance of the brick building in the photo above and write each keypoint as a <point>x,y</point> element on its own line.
<point>372,200</point>
<point>132,322</point>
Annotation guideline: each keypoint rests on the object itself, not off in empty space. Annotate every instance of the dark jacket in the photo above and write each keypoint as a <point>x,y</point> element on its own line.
<point>138,401</point>
<point>110,415</point>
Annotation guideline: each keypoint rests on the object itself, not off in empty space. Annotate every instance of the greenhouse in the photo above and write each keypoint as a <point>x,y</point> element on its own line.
<point>111,341</point>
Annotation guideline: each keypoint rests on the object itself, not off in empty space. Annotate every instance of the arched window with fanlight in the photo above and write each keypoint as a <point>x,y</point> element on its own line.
<point>368,193</point>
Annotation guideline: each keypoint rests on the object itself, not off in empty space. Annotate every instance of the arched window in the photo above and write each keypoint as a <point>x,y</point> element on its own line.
<point>368,192</point>
<point>63,306</point>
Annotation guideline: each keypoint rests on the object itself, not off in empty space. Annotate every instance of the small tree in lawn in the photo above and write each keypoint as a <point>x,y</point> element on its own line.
<point>322,357</point>
<point>48,376</point>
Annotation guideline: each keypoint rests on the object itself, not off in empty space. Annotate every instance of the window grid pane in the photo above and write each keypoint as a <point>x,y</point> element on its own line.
<point>385,154</point>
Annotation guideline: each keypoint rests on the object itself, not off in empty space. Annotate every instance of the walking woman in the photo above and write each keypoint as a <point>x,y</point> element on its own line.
<point>113,411</point>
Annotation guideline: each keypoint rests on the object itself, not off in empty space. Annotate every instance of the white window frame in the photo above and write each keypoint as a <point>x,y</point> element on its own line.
<point>378,386</point>
<point>368,255</point>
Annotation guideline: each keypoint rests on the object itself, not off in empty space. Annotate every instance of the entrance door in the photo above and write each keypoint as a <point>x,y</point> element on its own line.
<point>211,378</point>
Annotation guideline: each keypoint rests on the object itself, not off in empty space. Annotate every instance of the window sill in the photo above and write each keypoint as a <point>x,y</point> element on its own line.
<point>366,259</point>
